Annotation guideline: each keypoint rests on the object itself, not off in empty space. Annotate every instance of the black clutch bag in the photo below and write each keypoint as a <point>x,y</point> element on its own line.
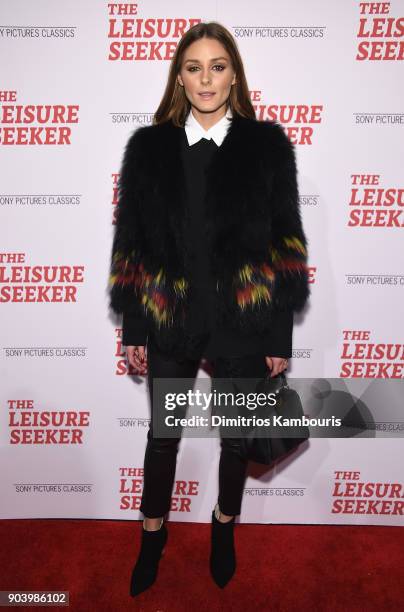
<point>268,448</point>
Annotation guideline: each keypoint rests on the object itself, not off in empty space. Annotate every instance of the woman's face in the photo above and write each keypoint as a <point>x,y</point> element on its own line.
<point>206,67</point>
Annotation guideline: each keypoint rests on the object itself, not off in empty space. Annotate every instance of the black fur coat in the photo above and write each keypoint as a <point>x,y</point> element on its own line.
<point>258,253</point>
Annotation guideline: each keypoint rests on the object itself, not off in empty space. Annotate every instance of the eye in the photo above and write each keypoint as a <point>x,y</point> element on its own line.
<point>219,66</point>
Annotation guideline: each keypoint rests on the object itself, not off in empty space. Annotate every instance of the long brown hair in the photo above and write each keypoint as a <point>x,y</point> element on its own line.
<point>174,103</point>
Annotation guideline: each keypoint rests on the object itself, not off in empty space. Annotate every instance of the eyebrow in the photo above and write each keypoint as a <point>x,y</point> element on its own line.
<point>214,59</point>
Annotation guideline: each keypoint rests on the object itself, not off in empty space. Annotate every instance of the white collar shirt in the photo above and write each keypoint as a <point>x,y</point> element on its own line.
<point>217,132</point>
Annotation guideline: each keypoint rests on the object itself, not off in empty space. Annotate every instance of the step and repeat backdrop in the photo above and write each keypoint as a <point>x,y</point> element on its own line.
<point>77,79</point>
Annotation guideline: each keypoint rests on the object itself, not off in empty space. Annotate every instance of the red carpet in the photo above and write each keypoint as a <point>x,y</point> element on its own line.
<point>280,567</point>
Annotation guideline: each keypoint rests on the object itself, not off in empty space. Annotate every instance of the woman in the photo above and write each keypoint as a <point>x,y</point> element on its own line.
<point>209,259</point>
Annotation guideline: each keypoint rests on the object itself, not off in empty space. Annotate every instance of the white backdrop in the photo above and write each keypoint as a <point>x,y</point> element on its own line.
<point>331,72</point>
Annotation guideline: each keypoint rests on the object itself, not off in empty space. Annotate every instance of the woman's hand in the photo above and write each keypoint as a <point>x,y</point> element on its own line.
<point>276,365</point>
<point>137,357</point>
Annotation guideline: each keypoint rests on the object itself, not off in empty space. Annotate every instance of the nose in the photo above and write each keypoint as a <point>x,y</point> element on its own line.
<point>205,77</point>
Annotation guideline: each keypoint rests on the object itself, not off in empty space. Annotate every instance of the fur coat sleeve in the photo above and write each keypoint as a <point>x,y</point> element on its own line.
<point>289,244</point>
<point>125,253</point>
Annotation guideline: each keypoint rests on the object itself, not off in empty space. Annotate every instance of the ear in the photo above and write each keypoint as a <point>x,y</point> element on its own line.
<point>234,79</point>
<point>180,81</point>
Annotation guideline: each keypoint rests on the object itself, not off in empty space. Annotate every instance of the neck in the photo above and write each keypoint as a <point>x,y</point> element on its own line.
<point>208,120</point>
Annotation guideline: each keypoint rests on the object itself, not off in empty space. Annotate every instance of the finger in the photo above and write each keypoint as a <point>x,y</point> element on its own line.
<point>139,367</point>
<point>272,367</point>
<point>133,359</point>
<point>141,353</point>
<point>141,364</point>
<point>130,358</point>
<point>135,363</point>
<point>141,360</point>
<point>278,367</point>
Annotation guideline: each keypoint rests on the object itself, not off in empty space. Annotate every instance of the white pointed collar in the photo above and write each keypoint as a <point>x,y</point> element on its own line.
<point>217,132</point>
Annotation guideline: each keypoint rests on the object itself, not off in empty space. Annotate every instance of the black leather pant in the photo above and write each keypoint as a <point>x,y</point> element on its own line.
<point>161,453</point>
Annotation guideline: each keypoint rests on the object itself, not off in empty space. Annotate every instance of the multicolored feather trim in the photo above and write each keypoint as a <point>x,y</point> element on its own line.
<point>292,257</point>
<point>156,295</point>
<point>123,272</point>
<point>254,285</point>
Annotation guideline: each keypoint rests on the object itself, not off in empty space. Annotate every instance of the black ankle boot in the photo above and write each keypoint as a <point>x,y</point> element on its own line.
<point>222,556</point>
<point>145,571</point>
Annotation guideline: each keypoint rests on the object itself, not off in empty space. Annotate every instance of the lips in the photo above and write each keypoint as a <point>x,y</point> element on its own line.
<point>207,95</point>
